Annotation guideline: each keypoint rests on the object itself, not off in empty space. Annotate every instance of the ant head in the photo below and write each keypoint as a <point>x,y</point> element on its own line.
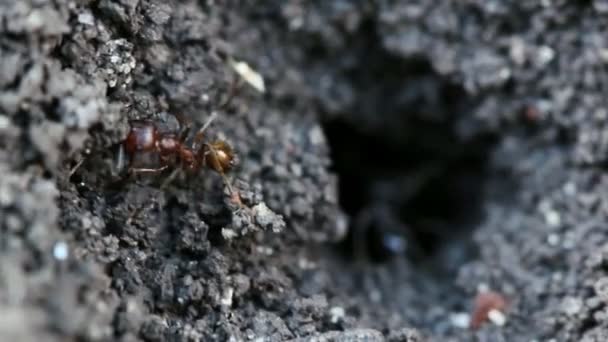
<point>220,156</point>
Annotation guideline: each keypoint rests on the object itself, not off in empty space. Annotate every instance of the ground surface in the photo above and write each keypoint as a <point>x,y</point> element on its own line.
<point>467,136</point>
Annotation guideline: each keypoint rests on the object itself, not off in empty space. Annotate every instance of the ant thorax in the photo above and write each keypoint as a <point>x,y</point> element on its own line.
<point>147,146</point>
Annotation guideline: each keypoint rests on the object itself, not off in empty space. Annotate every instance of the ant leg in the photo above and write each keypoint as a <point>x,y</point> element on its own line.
<point>81,160</point>
<point>235,86</point>
<point>169,179</point>
<point>207,123</point>
<point>199,136</point>
<point>76,167</point>
<point>183,120</point>
<point>148,170</point>
<point>141,208</point>
<point>212,117</point>
<point>183,134</point>
<point>227,182</point>
<point>185,125</point>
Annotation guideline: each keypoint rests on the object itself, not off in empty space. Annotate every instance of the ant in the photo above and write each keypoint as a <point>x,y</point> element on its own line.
<point>170,150</point>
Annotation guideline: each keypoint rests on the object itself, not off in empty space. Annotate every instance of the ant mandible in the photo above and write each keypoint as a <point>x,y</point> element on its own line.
<point>171,150</point>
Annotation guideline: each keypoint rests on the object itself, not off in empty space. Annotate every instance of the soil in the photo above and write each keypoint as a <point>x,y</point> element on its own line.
<point>404,158</point>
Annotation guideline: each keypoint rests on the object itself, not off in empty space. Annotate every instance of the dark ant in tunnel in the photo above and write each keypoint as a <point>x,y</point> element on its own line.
<point>170,150</point>
<point>378,232</point>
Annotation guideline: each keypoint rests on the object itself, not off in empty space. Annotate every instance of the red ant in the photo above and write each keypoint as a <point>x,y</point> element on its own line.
<point>170,150</point>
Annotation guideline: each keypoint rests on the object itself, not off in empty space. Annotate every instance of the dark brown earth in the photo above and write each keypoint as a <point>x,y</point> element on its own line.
<point>468,145</point>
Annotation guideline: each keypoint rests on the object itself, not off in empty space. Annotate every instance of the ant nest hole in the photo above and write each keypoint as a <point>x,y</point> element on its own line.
<point>410,183</point>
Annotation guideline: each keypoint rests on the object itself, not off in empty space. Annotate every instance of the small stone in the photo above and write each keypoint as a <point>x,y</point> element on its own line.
<point>263,214</point>
<point>461,320</point>
<point>266,218</point>
<point>226,299</point>
<point>242,284</point>
<point>571,306</point>
<point>249,75</point>
<point>60,251</point>
<point>86,19</point>
<point>497,317</point>
<point>517,51</point>
<point>228,233</point>
<point>5,123</point>
<point>504,73</point>
<point>336,313</point>
<point>601,288</point>
<point>316,136</point>
<point>570,189</point>
<point>552,218</point>
<point>553,239</point>
<point>488,305</point>
<point>600,6</point>
<point>545,55</point>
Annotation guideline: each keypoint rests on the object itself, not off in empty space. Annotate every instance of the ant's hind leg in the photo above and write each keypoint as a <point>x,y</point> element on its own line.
<point>144,207</point>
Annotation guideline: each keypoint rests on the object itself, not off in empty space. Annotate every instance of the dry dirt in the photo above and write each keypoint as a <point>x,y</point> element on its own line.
<point>404,156</point>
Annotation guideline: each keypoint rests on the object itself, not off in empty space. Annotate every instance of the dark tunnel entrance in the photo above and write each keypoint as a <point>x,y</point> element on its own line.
<point>409,182</point>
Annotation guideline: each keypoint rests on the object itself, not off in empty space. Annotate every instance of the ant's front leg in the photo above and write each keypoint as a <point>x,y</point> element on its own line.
<point>183,134</point>
<point>199,136</point>
<point>133,170</point>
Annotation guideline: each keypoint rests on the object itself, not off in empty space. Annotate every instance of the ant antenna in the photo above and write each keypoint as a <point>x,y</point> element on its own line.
<point>209,121</point>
